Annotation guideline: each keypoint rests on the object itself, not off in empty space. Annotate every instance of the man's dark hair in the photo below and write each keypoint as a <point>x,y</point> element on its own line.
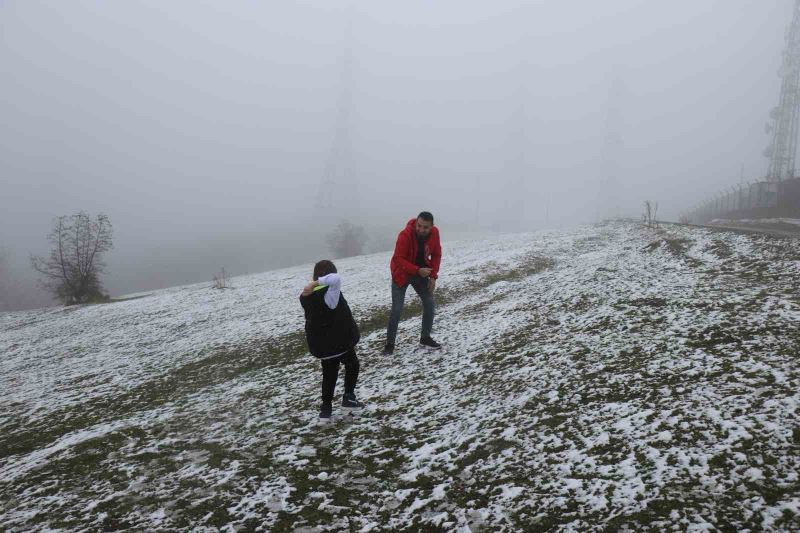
<point>426,216</point>
<point>323,268</point>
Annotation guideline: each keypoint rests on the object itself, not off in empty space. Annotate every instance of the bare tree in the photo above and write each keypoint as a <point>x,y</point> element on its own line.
<point>347,239</point>
<point>72,270</point>
<point>650,214</point>
<point>220,280</point>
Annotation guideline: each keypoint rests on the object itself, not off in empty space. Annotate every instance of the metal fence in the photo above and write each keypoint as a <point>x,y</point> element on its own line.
<point>753,200</point>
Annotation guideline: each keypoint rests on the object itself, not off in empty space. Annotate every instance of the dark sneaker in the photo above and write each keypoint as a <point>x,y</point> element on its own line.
<point>388,349</point>
<point>430,343</point>
<point>325,414</point>
<point>349,401</point>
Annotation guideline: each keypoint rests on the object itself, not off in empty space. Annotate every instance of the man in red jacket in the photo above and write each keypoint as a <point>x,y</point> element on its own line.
<point>415,262</point>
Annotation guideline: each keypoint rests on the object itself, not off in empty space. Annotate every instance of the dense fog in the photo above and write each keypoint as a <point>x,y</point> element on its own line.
<point>237,134</point>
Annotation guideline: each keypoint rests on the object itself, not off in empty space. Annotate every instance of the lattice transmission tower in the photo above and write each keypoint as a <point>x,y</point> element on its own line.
<point>613,148</point>
<point>338,189</point>
<point>783,125</point>
<point>516,166</point>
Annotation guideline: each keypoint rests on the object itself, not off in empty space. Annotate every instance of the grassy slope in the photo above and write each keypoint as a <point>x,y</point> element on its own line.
<point>608,377</point>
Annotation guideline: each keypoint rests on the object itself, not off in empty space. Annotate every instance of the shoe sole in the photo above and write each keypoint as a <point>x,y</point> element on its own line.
<point>430,347</point>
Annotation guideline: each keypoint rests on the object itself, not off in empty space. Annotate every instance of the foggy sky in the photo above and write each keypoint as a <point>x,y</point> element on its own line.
<point>203,129</point>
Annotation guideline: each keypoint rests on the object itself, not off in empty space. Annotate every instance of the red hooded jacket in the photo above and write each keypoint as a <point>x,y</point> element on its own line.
<point>404,260</point>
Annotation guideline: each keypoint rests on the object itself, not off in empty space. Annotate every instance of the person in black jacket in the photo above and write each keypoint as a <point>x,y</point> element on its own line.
<point>332,335</point>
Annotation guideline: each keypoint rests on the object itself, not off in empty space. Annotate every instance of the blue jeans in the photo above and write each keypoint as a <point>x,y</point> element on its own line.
<point>398,300</point>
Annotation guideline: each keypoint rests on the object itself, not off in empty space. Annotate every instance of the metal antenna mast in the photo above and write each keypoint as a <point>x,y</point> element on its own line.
<point>784,124</point>
<point>613,145</point>
<point>338,188</point>
<point>516,167</point>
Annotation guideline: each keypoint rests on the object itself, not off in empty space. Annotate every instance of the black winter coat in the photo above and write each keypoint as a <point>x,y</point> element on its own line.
<point>328,331</point>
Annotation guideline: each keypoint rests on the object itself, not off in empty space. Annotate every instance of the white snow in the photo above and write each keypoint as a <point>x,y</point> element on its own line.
<point>613,378</point>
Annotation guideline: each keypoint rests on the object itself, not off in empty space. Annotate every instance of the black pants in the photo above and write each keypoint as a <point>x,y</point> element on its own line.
<point>330,373</point>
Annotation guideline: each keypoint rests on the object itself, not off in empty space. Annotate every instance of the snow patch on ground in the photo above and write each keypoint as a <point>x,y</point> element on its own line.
<point>589,381</point>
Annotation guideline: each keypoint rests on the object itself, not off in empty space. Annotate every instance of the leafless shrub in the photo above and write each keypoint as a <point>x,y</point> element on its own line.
<point>649,217</point>
<point>221,280</point>
<point>347,239</point>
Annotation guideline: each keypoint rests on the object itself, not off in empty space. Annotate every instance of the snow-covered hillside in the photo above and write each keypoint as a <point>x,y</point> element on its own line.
<point>609,377</point>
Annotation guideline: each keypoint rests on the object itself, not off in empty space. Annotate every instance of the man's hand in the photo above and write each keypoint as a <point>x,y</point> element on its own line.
<point>308,289</point>
<point>431,285</point>
<point>424,272</point>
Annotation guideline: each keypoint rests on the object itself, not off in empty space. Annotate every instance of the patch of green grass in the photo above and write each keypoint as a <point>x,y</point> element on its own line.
<point>676,246</point>
<point>220,366</point>
<point>721,249</point>
<point>652,301</point>
<point>529,265</point>
<point>130,298</point>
